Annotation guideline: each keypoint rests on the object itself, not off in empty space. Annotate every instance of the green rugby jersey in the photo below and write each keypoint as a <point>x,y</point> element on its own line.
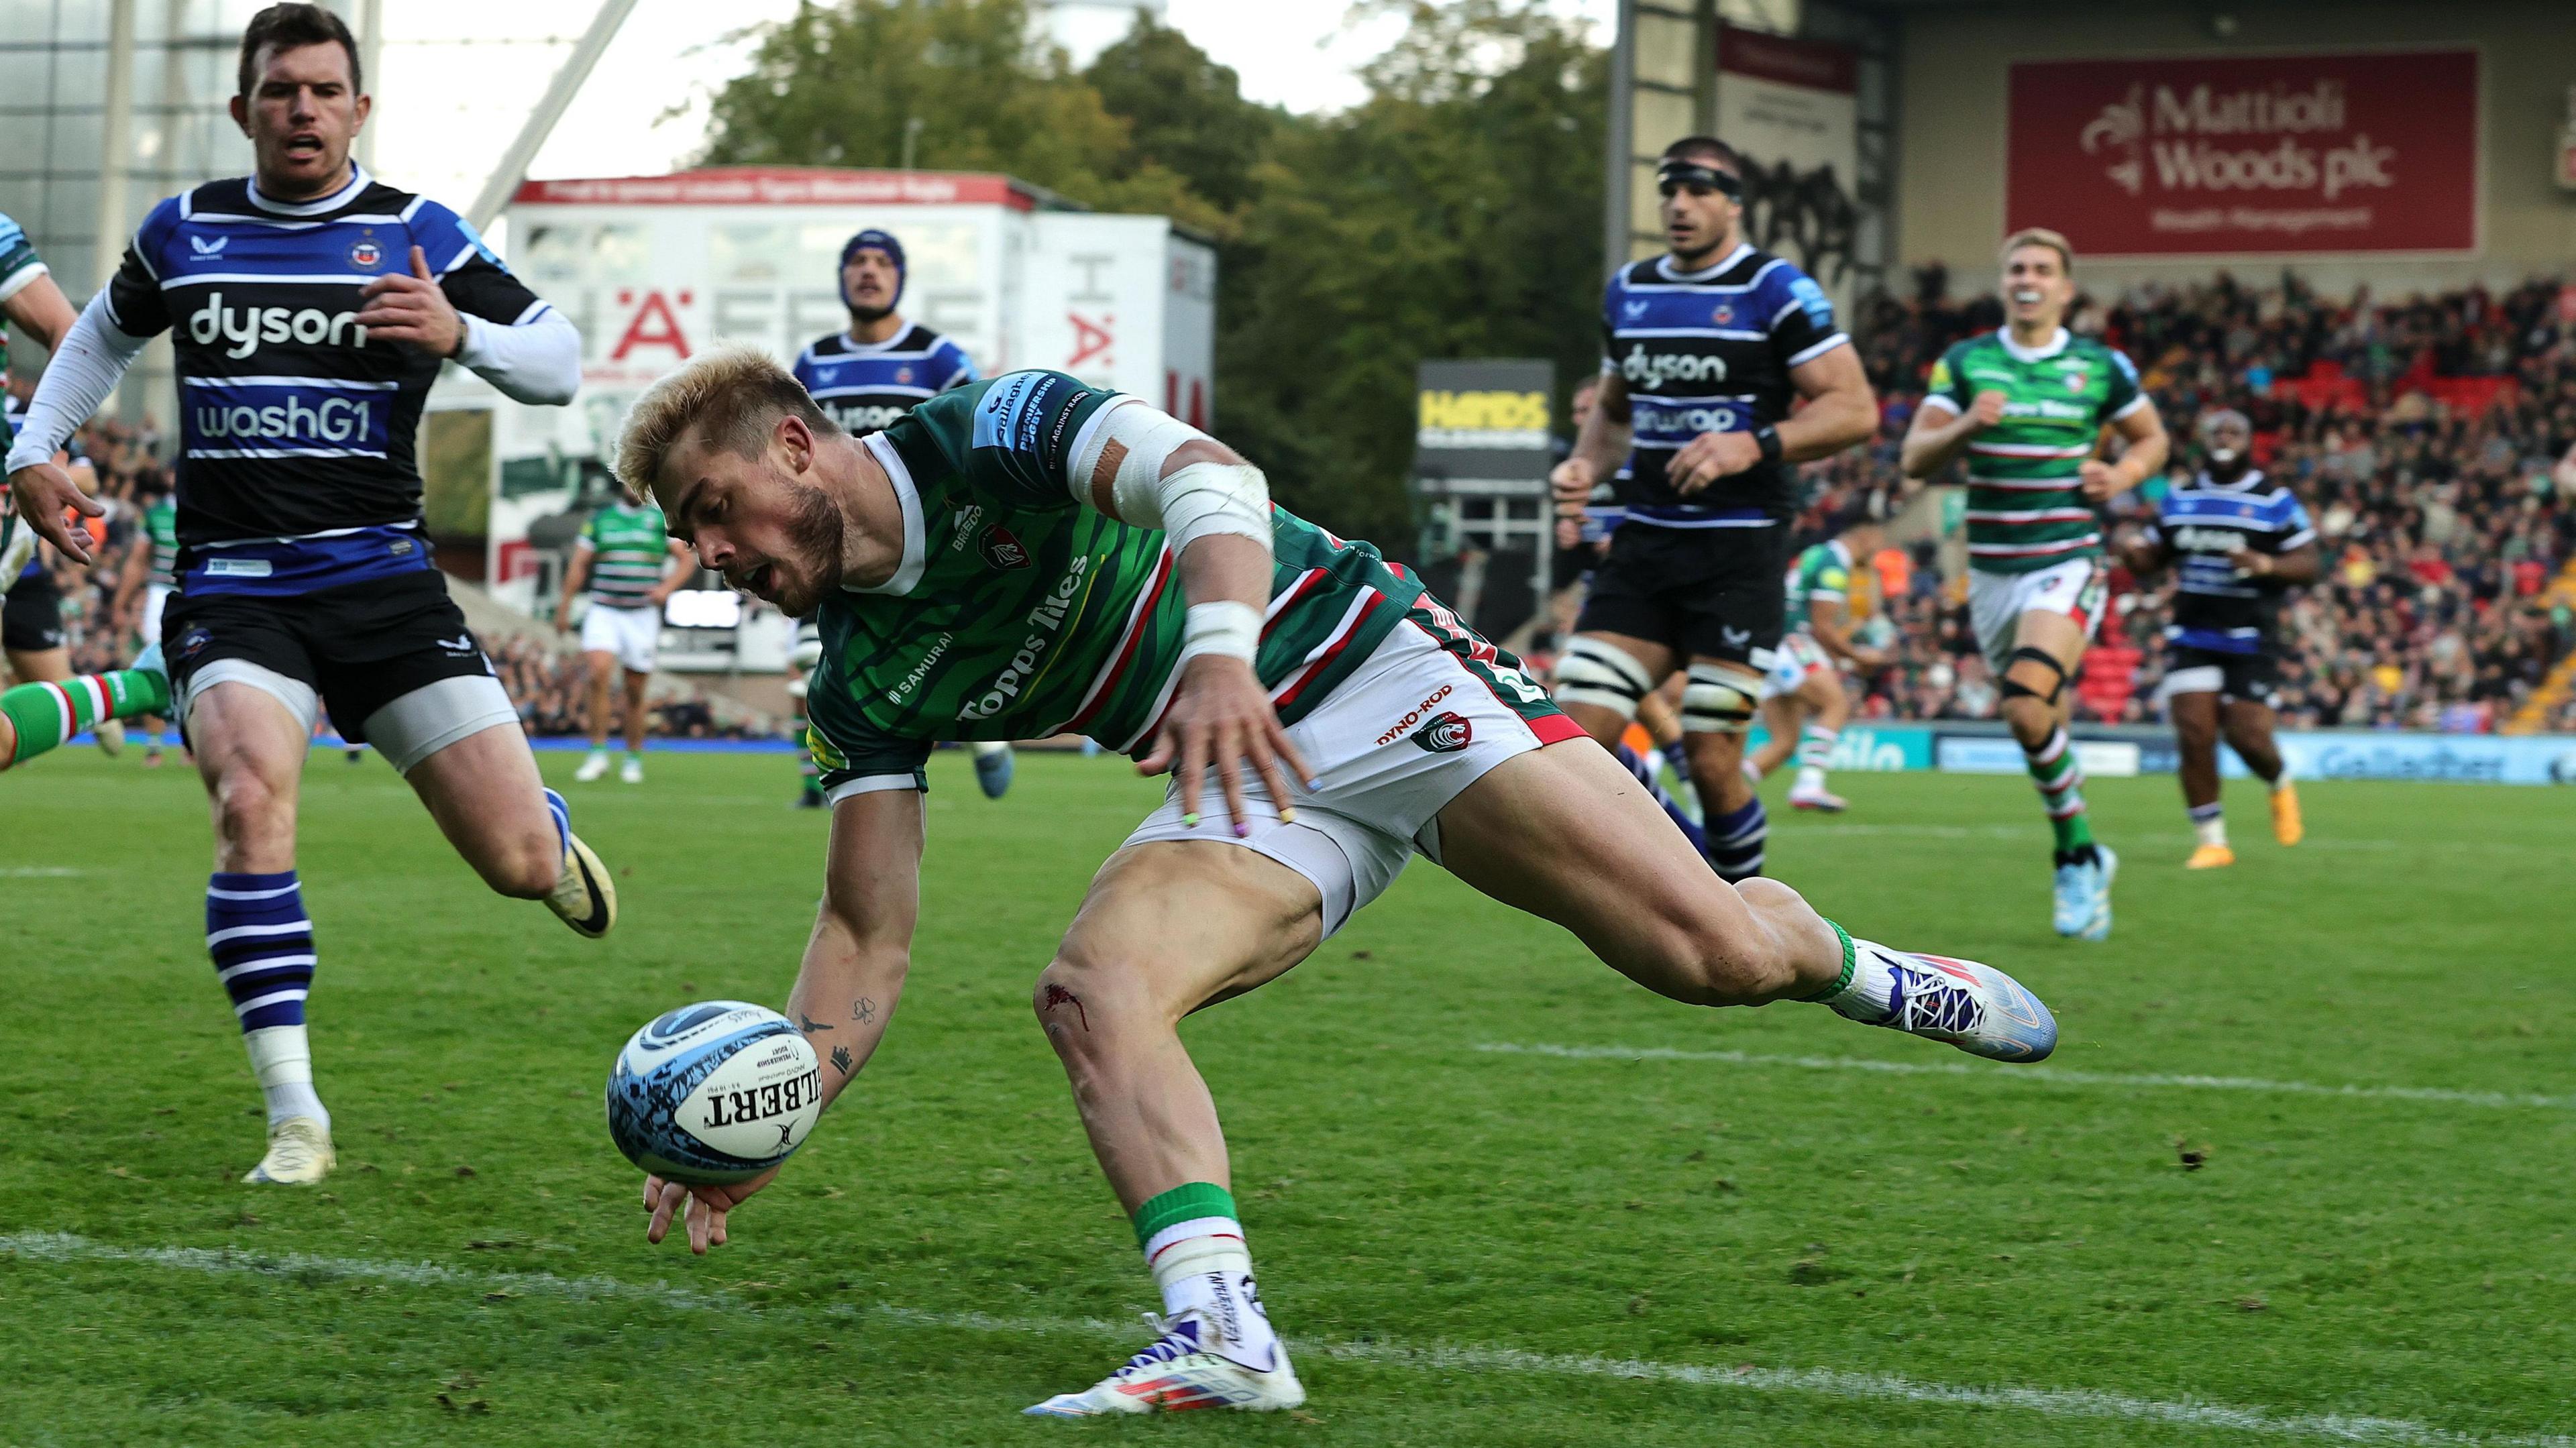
<point>1017,612</point>
<point>2025,508</point>
<point>19,265</point>
<point>1824,573</point>
<point>630,550</point>
<point>161,525</point>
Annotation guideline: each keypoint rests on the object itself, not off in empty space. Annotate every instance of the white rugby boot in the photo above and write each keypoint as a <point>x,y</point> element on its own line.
<point>1972,1006</point>
<point>299,1154</point>
<point>593,768</point>
<point>631,770</point>
<point>1186,1367</point>
<point>583,895</point>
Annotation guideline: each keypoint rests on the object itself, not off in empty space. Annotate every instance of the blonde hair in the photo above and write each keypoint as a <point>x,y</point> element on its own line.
<point>731,397</point>
<point>2040,236</point>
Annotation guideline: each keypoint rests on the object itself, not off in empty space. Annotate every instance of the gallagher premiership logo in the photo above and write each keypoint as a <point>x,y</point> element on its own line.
<point>1445,734</point>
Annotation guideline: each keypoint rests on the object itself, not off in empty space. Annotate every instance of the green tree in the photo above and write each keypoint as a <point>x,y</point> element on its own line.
<point>1184,112</point>
<point>1455,213</point>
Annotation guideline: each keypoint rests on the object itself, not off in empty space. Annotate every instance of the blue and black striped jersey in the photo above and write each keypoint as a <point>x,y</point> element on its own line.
<point>1710,351</point>
<point>296,468</point>
<point>865,386</point>
<point>2202,524</point>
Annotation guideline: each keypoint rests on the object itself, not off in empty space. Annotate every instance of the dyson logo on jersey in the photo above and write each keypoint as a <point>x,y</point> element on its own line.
<point>245,328</point>
<point>1653,369</point>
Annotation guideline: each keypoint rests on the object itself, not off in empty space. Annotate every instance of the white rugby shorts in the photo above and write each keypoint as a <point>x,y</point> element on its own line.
<point>1798,656</point>
<point>632,634</point>
<point>1996,602</point>
<point>1400,738</point>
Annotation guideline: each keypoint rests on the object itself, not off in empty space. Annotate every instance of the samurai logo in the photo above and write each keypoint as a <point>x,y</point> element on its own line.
<point>1445,734</point>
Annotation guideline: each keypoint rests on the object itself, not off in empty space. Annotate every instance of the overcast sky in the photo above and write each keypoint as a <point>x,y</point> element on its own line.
<point>1296,53</point>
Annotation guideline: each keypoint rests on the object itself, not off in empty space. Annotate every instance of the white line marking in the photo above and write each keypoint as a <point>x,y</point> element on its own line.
<point>1817,1382</point>
<point>2343,844</point>
<point>2047,1075</point>
<point>41,872</point>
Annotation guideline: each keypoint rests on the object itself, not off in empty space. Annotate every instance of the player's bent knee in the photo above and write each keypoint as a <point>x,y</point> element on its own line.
<point>1718,699</point>
<point>1601,676</point>
<point>525,867</point>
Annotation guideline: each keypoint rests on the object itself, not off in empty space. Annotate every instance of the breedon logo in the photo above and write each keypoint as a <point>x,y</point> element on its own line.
<point>245,328</point>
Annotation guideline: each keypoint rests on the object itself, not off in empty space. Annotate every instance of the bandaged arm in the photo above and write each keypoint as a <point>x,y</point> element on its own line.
<point>1126,466</point>
<point>84,370</point>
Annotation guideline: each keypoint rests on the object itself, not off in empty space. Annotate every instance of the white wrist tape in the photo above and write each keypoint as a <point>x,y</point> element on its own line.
<point>1224,627</point>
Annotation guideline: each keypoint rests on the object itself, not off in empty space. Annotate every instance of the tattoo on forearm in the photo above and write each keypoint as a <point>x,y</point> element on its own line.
<point>1057,995</point>
<point>841,1060</point>
<point>863,1010</point>
<point>810,1024</point>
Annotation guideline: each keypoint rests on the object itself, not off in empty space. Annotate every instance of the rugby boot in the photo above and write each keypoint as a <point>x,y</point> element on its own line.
<point>994,766</point>
<point>1974,1007</point>
<point>583,895</point>
<point>1186,1367</point>
<point>2286,824</point>
<point>2210,857</point>
<point>299,1154</point>
<point>2099,928</point>
<point>1819,798</point>
<point>2071,900</point>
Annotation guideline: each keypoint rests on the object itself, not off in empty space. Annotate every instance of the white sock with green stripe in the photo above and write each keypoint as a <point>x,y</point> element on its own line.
<point>1866,987</point>
<point>1194,1244</point>
<point>1815,751</point>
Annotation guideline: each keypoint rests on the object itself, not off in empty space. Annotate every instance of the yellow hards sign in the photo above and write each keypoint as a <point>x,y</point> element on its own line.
<point>1481,419</point>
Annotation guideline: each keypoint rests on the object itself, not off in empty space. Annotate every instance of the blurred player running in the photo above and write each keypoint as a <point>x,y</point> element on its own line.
<point>2027,405</point>
<point>1161,605</point>
<point>310,307</point>
<point>153,573</point>
<point>1706,349</point>
<point>629,566</point>
<point>864,379</point>
<point>1804,707</point>
<point>2234,541</point>
<point>31,615</point>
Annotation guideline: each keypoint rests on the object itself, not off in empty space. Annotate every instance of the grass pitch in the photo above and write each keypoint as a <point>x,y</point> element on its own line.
<point>2298,1172</point>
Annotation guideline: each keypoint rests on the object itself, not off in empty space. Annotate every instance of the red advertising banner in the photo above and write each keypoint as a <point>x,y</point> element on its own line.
<point>2234,154</point>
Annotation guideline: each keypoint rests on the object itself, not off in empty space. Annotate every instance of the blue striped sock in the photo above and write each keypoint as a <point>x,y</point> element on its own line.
<point>262,944</point>
<point>1636,764</point>
<point>563,818</point>
<point>1735,842</point>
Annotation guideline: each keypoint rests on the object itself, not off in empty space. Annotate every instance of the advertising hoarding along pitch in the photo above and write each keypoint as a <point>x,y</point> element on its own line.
<point>2247,154</point>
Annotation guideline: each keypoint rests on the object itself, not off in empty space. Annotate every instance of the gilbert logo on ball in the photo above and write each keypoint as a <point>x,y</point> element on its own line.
<point>712,1093</point>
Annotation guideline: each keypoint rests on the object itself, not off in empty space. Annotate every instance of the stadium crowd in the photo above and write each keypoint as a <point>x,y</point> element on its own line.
<point>2432,440</point>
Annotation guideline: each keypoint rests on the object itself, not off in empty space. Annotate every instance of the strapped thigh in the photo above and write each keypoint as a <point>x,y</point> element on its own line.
<point>1719,699</point>
<point>1603,675</point>
<point>2014,688</point>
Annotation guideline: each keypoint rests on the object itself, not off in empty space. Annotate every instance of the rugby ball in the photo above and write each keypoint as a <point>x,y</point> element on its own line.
<point>714,1093</point>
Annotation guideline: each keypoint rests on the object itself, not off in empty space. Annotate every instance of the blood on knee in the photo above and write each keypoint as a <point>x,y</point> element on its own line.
<point>1053,998</point>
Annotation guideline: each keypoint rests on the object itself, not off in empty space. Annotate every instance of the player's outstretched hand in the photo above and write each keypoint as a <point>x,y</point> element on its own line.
<point>42,494</point>
<point>1711,456</point>
<point>705,1208</point>
<point>412,309</point>
<point>1220,720</point>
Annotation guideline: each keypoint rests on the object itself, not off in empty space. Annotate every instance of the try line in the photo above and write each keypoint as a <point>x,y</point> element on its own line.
<point>2044,1075</point>
<point>1510,1362</point>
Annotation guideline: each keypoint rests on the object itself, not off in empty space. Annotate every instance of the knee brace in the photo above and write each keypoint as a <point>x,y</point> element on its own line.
<point>2012,688</point>
<point>1719,700</point>
<point>1595,673</point>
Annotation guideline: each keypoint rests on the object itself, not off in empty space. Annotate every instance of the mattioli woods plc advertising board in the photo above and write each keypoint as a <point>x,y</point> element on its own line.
<point>2248,154</point>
